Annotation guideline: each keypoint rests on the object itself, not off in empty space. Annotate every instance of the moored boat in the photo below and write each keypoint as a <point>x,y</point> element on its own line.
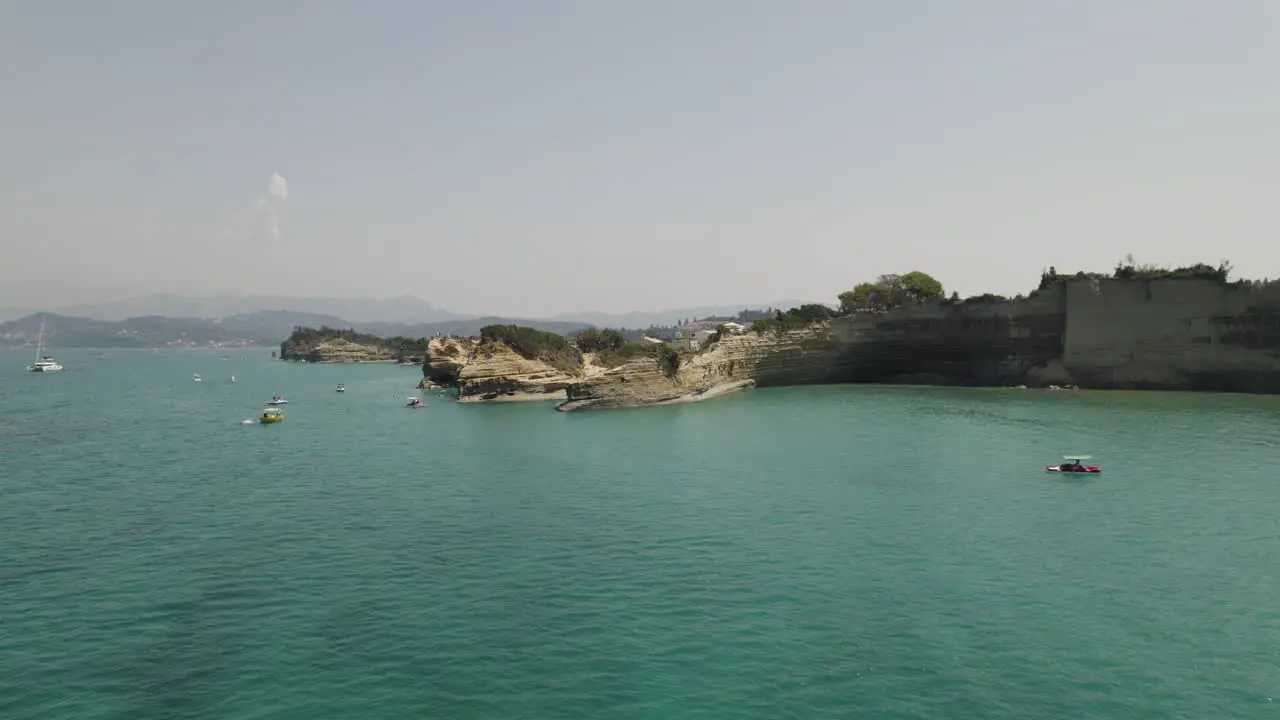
<point>43,363</point>
<point>271,415</point>
<point>1074,465</point>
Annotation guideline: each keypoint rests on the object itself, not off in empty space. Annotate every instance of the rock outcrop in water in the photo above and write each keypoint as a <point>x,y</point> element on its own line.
<point>336,349</point>
<point>1169,333</point>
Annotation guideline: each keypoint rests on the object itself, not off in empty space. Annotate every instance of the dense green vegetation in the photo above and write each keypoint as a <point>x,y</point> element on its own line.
<point>553,349</point>
<point>304,339</point>
<point>614,347</point>
<point>890,291</point>
<point>794,318</point>
<point>592,340</point>
<point>1129,270</point>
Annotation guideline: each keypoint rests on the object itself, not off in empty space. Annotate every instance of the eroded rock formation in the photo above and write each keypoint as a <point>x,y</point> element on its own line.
<point>737,362</point>
<point>492,371</point>
<point>336,350</point>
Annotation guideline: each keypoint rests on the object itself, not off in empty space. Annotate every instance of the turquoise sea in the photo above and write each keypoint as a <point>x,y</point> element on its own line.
<point>792,553</point>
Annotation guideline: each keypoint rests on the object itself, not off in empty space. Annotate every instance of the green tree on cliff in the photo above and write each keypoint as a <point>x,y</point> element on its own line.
<point>892,290</point>
<point>587,339</point>
<point>593,340</point>
<point>919,288</point>
<point>863,296</point>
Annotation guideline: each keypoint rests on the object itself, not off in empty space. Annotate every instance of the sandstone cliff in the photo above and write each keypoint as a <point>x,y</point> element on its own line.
<point>737,362</point>
<point>336,350</point>
<point>1188,334</point>
<point>492,371</point>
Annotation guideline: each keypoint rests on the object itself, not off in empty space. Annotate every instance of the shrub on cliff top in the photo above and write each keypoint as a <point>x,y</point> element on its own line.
<point>533,344</point>
<point>984,299</point>
<point>669,360</point>
<point>793,319</point>
<point>1129,270</point>
<point>612,358</point>
<point>593,340</point>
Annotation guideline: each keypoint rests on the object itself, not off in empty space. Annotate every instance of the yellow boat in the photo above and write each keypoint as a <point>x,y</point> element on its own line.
<point>271,415</point>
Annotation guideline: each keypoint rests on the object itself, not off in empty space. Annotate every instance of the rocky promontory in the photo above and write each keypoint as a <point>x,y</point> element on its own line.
<point>329,345</point>
<point>506,363</point>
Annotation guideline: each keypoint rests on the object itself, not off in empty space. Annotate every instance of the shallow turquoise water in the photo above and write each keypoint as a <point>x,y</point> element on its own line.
<point>819,552</point>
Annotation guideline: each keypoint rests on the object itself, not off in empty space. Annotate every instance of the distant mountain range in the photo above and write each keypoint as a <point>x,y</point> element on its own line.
<point>171,320</point>
<point>266,328</point>
<point>405,309</point>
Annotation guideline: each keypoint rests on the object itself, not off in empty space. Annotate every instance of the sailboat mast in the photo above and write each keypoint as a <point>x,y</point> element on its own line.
<point>40,340</point>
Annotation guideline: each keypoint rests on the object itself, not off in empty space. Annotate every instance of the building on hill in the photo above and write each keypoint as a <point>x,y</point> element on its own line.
<point>702,325</point>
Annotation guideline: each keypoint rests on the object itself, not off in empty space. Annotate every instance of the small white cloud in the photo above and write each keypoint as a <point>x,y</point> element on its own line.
<point>273,204</point>
<point>278,187</point>
<point>264,217</point>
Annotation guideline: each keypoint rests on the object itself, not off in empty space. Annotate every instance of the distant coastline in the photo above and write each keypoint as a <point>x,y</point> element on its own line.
<point>1139,327</point>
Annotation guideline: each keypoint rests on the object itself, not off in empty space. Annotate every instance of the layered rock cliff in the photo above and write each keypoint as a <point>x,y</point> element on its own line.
<point>1188,334</point>
<point>958,344</point>
<point>969,343</point>
<point>336,350</point>
<point>736,362</point>
<point>1173,334</point>
<point>491,371</point>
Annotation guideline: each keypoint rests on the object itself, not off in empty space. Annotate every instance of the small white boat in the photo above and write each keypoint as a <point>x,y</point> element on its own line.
<point>278,400</point>
<point>342,388</point>
<point>197,378</point>
<point>43,363</point>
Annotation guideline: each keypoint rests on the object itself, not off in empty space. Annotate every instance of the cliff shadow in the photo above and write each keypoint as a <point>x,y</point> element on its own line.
<point>969,345</point>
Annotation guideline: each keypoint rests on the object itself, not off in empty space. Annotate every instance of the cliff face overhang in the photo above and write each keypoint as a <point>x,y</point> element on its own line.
<point>492,371</point>
<point>444,360</point>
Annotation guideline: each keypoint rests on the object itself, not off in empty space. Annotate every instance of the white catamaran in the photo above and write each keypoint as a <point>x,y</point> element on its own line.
<point>44,363</point>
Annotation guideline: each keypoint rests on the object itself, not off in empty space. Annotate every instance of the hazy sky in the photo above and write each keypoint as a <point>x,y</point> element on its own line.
<point>531,157</point>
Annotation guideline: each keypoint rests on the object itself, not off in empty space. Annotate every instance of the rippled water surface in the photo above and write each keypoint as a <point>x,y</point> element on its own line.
<point>818,552</point>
